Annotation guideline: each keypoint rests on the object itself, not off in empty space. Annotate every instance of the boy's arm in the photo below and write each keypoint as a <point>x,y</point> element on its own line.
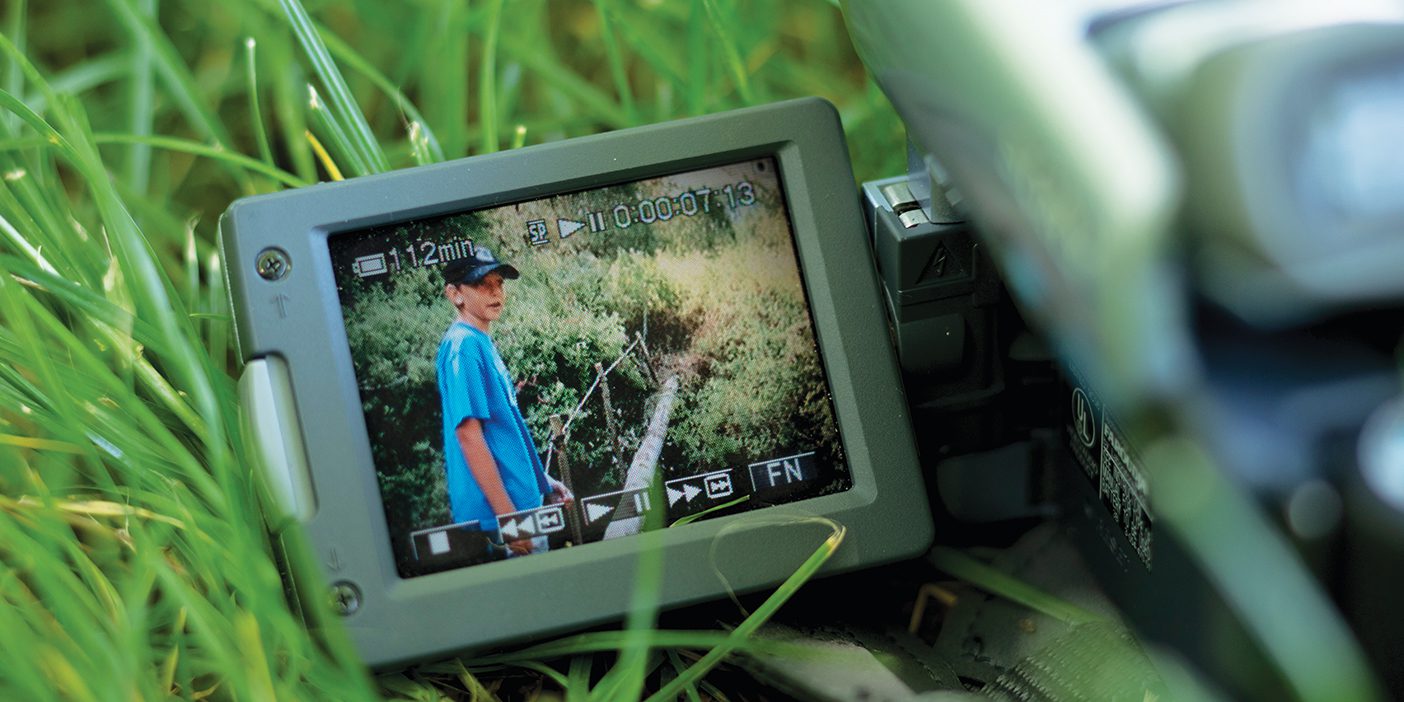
<point>482,465</point>
<point>484,469</point>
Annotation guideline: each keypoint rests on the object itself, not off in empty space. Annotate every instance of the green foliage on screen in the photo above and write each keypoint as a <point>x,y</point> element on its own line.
<point>715,300</point>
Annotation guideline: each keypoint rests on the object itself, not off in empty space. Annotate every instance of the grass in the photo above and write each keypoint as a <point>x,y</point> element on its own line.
<point>133,564</point>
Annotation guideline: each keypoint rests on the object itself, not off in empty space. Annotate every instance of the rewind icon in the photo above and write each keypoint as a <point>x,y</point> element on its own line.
<point>533,522</point>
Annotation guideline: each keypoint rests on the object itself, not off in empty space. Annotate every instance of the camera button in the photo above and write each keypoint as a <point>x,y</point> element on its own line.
<point>275,440</point>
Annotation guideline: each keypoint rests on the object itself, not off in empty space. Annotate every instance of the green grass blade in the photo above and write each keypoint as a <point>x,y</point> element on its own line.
<point>192,268</point>
<point>1002,584</point>
<point>84,77</point>
<point>697,60</point>
<point>419,145</point>
<point>445,81</point>
<point>712,690</point>
<point>577,687</point>
<point>30,118</point>
<point>727,40</point>
<point>135,415</point>
<point>141,103</point>
<point>147,284</point>
<point>289,110</point>
<point>222,322</point>
<point>20,317</point>
<point>337,140</point>
<point>750,624</point>
<point>265,151</point>
<point>180,84</point>
<point>594,101</point>
<point>487,78</point>
<point>345,112</point>
<point>616,60</point>
<point>56,585</point>
<point>120,330</point>
<point>30,252</point>
<point>655,47</point>
<point>509,91</point>
<point>29,198</point>
<point>626,679</point>
<point>349,56</point>
<point>353,60</point>
<point>197,149</point>
<point>15,29</point>
<point>162,222</point>
<point>23,202</point>
<point>688,519</point>
<point>1258,575</point>
<point>615,641</point>
<point>74,296</point>
<point>689,690</point>
<point>547,671</point>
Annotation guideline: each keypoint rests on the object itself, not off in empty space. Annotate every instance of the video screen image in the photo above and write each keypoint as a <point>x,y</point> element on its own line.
<point>581,367</point>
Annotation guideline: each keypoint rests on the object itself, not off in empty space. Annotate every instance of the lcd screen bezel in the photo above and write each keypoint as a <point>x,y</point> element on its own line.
<point>833,476</point>
<point>298,320</point>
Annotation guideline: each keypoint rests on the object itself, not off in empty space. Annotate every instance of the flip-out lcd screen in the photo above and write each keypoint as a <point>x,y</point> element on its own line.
<point>576,368</point>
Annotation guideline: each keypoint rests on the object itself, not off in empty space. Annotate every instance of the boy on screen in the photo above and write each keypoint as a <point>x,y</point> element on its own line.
<point>490,458</point>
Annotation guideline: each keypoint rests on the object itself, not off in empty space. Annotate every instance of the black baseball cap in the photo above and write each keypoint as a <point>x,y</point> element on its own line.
<point>470,270</point>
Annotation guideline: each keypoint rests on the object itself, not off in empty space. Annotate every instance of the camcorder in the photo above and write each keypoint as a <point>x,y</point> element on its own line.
<point>1139,283</point>
<point>482,388</point>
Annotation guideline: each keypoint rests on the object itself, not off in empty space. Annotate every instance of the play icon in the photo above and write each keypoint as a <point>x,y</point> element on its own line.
<point>566,227</point>
<point>596,512</point>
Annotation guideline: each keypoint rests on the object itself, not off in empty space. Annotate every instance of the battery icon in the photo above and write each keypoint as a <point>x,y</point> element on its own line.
<point>367,266</point>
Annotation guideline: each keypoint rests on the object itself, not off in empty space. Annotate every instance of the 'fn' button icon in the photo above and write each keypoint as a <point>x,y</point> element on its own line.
<point>783,473</point>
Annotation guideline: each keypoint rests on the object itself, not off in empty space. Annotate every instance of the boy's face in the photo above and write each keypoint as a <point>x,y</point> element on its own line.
<point>481,301</point>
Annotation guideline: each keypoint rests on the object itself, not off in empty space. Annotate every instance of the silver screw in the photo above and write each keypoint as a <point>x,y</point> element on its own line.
<point>345,598</point>
<point>273,264</point>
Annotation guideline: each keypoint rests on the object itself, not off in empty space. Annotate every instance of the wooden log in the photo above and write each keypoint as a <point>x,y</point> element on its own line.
<point>645,464</point>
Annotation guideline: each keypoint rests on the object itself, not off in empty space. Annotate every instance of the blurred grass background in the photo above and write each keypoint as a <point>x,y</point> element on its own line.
<point>133,564</point>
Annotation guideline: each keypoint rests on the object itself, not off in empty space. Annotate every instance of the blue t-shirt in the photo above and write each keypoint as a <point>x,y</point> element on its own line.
<point>474,384</point>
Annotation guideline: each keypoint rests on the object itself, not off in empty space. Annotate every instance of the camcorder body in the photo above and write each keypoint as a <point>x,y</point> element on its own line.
<point>1192,211</point>
<point>485,392</point>
<point>1139,282</point>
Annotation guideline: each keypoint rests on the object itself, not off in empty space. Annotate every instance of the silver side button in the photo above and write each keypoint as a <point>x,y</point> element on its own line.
<point>271,429</point>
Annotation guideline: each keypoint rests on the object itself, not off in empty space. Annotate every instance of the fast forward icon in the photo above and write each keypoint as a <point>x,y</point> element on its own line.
<point>709,487</point>
<point>686,494</point>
